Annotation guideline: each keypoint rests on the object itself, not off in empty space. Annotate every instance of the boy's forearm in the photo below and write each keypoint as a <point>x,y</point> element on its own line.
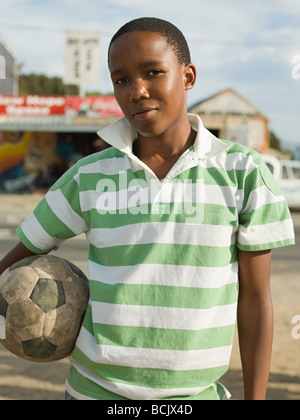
<point>16,254</point>
<point>255,321</point>
<point>255,324</point>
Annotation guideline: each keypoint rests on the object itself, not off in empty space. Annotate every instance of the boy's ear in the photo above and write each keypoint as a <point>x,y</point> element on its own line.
<point>190,76</point>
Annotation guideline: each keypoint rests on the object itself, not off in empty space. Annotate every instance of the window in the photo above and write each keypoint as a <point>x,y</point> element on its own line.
<point>296,172</point>
<point>271,167</point>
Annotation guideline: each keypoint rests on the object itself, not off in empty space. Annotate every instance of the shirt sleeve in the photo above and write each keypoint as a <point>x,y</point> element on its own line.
<point>265,221</point>
<point>56,218</point>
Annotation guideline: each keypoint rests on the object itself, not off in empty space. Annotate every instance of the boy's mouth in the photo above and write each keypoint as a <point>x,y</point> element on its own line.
<point>143,113</point>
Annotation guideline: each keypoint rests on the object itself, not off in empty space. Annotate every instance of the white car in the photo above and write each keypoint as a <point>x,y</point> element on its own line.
<point>287,175</point>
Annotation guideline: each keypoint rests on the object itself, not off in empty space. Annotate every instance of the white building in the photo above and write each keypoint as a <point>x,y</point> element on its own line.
<point>8,70</point>
<point>231,117</point>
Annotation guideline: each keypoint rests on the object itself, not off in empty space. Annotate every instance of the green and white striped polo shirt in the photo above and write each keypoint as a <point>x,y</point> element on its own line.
<point>163,267</point>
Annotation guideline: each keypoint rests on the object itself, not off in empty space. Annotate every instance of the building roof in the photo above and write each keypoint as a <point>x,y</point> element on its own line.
<point>227,102</point>
<point>8,47</point>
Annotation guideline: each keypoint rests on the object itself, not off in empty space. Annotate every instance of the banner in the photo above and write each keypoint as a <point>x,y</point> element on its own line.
<point>32,106</point>
<point>44,106</point>
<point>93,107</point>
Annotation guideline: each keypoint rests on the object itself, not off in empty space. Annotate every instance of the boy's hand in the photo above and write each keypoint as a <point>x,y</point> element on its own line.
<point>17,254</point>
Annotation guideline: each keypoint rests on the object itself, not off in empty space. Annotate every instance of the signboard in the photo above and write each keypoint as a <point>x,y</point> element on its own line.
<point>93,107</point>
<point>32,106</point>
<point>82,57</point>
<point>43,106</point>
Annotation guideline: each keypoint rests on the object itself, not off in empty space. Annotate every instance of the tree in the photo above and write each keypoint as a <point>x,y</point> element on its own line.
<point>274,141</point>
<point>40,84</point>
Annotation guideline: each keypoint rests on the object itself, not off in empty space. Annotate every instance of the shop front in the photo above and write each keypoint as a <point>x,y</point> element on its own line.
<point>41,137</point>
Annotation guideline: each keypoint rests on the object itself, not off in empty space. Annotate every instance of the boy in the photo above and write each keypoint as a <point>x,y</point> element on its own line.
<point>177,221</point>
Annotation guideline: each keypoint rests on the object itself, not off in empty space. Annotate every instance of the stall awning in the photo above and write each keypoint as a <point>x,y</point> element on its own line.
<point>58,124</point>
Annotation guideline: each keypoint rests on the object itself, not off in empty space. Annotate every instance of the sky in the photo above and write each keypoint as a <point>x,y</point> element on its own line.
<point>251,46</point>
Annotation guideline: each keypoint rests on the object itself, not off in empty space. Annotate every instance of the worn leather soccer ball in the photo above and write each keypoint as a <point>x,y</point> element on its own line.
<point>43,300</point>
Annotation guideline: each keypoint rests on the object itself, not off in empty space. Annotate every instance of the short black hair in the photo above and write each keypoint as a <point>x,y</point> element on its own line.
<point>170,32</point>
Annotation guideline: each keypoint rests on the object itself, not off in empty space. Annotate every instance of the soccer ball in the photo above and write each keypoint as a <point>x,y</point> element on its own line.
<point>43,300</point>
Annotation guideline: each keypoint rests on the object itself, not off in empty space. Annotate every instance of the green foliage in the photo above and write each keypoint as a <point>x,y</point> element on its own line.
<point>40,84</point>
<point>274,141</point>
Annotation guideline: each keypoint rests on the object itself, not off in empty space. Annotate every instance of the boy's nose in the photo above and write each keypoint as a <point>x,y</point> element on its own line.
<point>139,90</point>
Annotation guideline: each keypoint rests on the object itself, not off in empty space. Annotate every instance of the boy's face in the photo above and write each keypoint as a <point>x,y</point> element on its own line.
<point>149,82</point>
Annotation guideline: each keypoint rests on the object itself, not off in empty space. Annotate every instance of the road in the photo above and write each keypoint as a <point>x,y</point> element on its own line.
<point>289,255</point>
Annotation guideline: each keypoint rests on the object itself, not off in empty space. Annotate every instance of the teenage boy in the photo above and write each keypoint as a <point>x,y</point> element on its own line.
<point>180,226</point>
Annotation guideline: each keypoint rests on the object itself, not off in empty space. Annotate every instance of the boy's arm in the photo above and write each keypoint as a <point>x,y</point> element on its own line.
<point>255,321</point>
<point>16,254</point>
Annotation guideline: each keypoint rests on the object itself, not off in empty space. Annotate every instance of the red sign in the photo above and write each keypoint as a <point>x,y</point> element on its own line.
<point>43,106</point>
<point>105,106</point>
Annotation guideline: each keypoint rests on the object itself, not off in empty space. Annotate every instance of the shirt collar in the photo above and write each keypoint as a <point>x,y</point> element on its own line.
<point>121,135</point>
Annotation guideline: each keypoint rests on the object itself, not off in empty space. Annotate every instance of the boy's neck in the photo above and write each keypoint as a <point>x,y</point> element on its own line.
<point>172,143</point>
<point>161,153</point>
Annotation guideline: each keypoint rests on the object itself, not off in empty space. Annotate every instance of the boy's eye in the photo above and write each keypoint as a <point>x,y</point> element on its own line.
<point>154,72</point>
<point>151,73</point>
<point>121,81</point>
